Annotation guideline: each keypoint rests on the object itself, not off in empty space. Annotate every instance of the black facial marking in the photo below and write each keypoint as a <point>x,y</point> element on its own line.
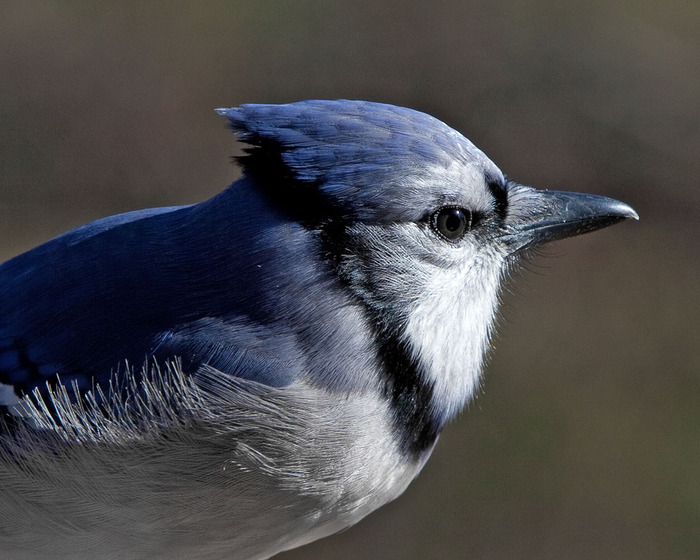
<point>500,195</point>
<point>411,397</point>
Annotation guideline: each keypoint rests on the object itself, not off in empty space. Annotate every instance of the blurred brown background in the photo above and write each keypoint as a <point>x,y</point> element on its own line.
<point>585,440</point>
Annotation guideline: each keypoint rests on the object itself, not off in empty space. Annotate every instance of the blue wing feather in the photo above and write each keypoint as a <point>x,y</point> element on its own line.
<point>159,283</point>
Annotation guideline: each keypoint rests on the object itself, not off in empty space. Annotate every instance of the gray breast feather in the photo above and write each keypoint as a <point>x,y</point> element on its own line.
<point>264,460</point>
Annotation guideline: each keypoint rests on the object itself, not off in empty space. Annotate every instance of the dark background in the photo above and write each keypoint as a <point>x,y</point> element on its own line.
<point>585,440</point>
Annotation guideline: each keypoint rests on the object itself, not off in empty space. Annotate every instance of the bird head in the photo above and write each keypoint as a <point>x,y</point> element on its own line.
<point>416,222</point>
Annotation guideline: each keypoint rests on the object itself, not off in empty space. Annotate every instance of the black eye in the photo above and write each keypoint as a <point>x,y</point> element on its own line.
<point>452,222</point>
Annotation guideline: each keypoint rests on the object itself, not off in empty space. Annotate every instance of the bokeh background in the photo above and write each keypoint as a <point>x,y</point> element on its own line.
<point>585,439</point>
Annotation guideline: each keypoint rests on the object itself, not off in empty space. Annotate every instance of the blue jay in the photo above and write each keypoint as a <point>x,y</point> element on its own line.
<point>242,376</point>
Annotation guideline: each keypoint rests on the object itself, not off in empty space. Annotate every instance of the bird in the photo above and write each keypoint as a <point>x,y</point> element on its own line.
<point>245,375</point>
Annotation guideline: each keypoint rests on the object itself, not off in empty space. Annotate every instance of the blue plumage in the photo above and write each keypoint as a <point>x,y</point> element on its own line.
<point>268,366</point>
<point>168,283</point>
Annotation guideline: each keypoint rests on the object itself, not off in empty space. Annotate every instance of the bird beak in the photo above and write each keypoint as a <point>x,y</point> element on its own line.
<point>537,217</point>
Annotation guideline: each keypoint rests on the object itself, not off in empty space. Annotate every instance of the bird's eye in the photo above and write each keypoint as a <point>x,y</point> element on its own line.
<point>452,222</point>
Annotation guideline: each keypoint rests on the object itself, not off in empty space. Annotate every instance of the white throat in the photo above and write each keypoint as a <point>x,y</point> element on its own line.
<point>448,330</point>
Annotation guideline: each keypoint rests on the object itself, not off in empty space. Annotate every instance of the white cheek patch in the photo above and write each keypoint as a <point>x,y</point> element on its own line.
<point>449,325</point>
